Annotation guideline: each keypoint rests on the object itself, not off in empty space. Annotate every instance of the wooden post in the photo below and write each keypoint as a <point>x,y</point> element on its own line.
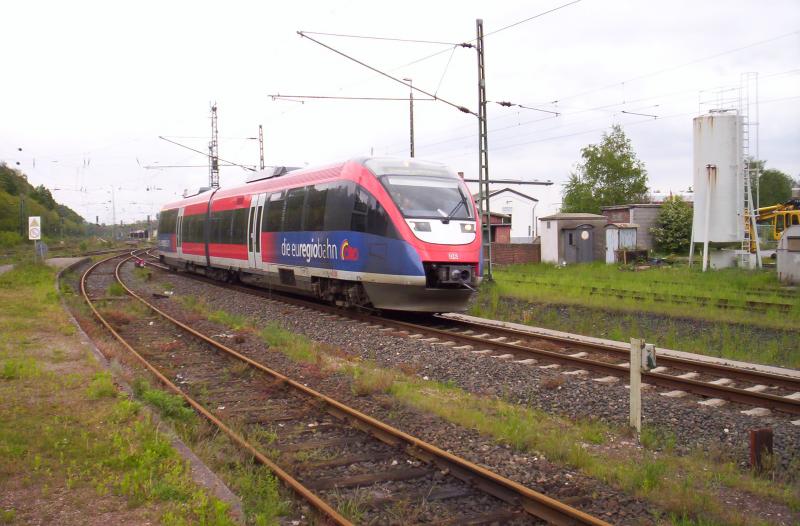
<point>760,443</point>
<point>636,384</point>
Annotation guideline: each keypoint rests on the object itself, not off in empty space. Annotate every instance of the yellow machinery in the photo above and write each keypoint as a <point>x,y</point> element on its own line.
<point>780,217</point>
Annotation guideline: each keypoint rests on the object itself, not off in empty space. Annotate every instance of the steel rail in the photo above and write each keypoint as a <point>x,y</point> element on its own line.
<point>724,370</point>
<point>751,398</point>
<point>533,502</point>
<point>733,394</point>
<point>322,506</point>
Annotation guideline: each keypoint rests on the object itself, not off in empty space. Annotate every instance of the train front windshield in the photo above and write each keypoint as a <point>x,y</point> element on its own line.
<point>428,197</point>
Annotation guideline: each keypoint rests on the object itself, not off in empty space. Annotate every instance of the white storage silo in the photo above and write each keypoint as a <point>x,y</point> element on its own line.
<point>718,178</point>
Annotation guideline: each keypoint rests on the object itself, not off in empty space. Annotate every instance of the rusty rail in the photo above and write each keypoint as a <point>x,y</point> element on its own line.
<point>533,502</point>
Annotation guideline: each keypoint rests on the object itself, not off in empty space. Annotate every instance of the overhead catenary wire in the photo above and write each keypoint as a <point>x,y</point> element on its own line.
<point>677,66</point>
<point>390,39</point>
<point>252,169</point>
<point>291,98</point>
<point>383,73</point>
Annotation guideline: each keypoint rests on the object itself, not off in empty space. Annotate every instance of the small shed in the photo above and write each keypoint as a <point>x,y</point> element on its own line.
<point>572,237</point>
<point>788,255</point>
<point>619,237</point>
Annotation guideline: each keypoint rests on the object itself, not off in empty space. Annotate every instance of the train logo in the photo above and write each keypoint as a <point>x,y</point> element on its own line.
<point>349,252</point>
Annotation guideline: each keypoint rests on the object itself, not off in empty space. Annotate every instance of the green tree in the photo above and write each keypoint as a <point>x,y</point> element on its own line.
<point>609,174</point>
<point>673,230</point>
<point>774,187</point>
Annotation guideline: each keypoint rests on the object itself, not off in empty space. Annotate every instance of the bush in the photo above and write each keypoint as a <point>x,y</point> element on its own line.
<point>673,230</point>
<point>9,239</point>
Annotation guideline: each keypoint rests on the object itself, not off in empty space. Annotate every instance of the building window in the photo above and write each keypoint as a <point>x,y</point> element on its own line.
<point>548,225</point>
<point>529,230</point>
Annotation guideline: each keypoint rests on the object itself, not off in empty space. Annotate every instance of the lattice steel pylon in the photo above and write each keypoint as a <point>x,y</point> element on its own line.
<point>483,160</point>
<point>213,151</point>
<point>750,164</point>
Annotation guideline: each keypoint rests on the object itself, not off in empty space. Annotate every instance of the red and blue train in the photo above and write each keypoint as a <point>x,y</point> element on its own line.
<point>381,233</point>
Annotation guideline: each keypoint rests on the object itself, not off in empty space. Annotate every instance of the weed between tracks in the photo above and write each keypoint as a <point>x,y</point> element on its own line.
<point>687,487</point>
<point>68,441</point>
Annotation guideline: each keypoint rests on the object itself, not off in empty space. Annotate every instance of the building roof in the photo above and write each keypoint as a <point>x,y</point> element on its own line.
<point>572,215</point>
<point>622,225</point>
<point>496,192</point>
<point>635,205</point>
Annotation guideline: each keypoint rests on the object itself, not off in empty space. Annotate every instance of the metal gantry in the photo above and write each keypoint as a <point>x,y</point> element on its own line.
<point>213,151</point>
<point>261,146</point>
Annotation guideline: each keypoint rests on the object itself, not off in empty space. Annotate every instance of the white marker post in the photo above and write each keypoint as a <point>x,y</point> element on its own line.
<point>637,346</point>
<point>35,233</point>
<point>643,358</point>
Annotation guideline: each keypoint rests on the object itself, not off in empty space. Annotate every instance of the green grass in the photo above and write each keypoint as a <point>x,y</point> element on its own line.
<point>69,430</point>
<point>101,386</point>
<point>574,284</point>
<point>769,337</point>
<point>116,289</point>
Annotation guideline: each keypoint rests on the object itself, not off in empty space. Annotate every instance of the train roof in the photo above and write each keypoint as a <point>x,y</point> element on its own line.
<point>376,165</point>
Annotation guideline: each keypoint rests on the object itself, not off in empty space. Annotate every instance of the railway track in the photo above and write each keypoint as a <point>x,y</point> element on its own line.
<point>324,450</point>
<point>678,299</point>
<point>717,384</point>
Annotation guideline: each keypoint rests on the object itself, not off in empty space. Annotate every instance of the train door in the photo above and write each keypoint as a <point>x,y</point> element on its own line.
<point>254,218</point>
<point>179,233</point>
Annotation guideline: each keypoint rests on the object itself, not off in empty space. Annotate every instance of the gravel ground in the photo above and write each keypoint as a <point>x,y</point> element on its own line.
<point>692,425</point>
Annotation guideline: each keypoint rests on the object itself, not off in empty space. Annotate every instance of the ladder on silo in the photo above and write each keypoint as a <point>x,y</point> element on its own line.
<point>750,169</point>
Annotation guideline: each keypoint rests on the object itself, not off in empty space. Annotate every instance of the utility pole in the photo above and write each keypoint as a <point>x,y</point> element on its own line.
<point>483,157</point>
<point>213,151</point>
<point>411,114</point>
<point>261,146</point>
<point>113,216</point>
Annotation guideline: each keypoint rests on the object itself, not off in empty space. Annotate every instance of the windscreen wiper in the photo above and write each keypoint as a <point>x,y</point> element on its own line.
<point>461,203</point>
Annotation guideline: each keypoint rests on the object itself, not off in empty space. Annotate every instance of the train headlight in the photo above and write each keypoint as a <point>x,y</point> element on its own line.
<point>459,275</point>
<point>468,228</point>
<point>422,226</point>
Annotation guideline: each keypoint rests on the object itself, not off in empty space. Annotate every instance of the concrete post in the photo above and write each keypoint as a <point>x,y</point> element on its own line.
<point>636,384</point>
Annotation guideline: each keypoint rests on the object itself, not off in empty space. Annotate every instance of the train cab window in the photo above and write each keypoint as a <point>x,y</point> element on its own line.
<point>293,218</point>
<point>315,207</point>
<point>428,197</point>
<point>338,205</point>
<point>273,219</point>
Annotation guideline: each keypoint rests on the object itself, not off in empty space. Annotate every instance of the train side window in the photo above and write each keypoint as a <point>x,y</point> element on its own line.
<point>315,207</point>
<point>358,221</point>
<point>779,222</point>
<point>378,221</point>
<point>167,222</point>
<point>293,219</point>
<point>238,235</point>
<point>338,205</point>
<point>215,226</point>
<point>273,219</point>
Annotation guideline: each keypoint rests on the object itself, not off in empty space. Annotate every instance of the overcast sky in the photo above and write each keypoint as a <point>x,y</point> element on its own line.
<point>89,86</point>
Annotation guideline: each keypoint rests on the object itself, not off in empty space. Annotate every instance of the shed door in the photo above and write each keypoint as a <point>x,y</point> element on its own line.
<point>612,242</point>
<point>585,243</point>
<point>569,242</point>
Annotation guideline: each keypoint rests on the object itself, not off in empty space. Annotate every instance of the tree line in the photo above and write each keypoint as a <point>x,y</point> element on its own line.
<point>19,199</point>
